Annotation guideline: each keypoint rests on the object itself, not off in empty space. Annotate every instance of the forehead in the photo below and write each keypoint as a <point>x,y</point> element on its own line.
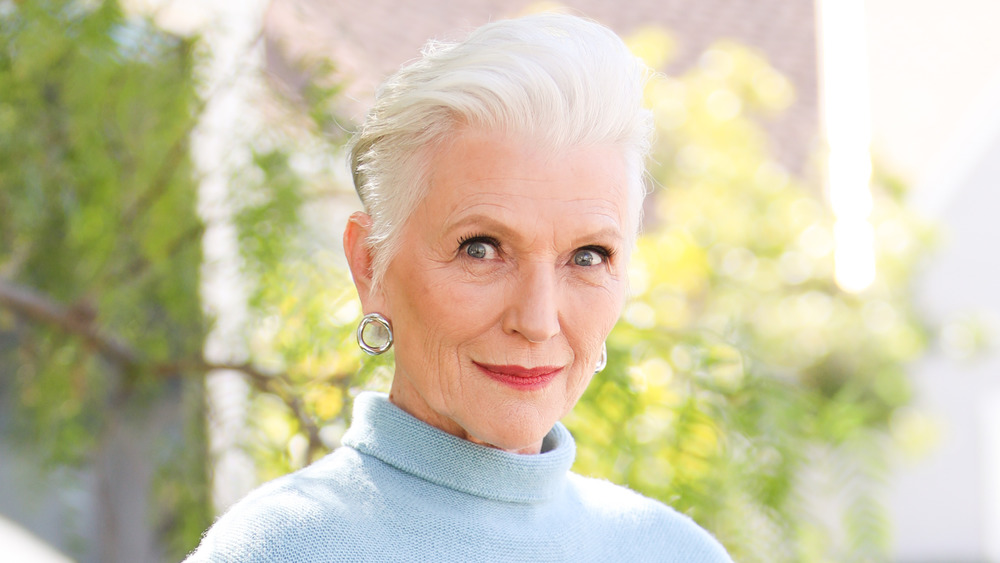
<point>478,171</point>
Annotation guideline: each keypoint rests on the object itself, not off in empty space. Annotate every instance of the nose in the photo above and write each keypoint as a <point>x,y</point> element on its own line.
<point>532,303</point>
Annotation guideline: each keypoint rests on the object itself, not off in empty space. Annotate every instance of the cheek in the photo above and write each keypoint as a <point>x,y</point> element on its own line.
<point>440,309</point>
<point>468,305</point>
<point>595,309</point>
<point>589,318</point>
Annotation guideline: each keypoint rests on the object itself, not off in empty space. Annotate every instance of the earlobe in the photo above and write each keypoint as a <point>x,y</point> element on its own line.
<point>358,254</point>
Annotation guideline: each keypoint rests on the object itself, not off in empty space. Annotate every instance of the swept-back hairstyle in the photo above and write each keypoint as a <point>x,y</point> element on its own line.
<point>554,80</point>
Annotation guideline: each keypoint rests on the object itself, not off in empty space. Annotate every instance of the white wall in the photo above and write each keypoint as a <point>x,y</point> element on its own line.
<point>930,60</point>
<point>945,504</point>
<point>935,79</point>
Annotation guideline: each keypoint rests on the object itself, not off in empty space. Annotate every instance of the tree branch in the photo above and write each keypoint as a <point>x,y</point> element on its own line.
<point>278,385</point>
<point>42,309</point>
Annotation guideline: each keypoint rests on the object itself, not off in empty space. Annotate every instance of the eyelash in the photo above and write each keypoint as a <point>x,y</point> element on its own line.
<point>605,252</point>
<point>478,238</point>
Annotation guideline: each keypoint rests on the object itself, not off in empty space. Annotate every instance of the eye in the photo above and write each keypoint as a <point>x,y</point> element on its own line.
<point>480,248</point>
<point>589,257</point>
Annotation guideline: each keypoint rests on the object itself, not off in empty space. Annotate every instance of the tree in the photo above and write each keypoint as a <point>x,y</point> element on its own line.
<point>737,363</point>
<point>100,249</point>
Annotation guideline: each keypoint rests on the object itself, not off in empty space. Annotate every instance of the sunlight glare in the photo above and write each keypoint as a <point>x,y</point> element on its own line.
<point>847,125</point>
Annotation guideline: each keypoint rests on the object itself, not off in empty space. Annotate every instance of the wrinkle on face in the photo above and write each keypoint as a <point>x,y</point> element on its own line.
<point>451,311</point>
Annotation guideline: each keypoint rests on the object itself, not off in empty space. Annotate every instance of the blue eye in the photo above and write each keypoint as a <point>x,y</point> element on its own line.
<point>587,257</point>
<point>481,249</point>
<point>476,250</point>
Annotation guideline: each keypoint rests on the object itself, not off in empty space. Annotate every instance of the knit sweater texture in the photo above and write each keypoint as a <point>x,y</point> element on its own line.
<point>401,490</point>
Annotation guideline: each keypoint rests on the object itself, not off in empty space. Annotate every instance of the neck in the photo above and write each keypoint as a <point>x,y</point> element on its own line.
<point>408,400</point>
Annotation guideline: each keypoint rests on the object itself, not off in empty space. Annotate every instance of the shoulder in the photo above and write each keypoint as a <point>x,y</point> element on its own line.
<point>646,525</point>
<point>294,517</point>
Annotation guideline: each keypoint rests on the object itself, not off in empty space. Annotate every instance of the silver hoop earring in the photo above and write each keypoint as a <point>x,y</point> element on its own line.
<point>603,362</point>
<point>374,334</point>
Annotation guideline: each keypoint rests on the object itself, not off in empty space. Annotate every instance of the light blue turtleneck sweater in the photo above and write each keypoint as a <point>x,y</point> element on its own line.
<point>401,490</point>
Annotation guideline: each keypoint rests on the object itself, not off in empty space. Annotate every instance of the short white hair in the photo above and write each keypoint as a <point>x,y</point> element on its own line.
<point>556,80</point>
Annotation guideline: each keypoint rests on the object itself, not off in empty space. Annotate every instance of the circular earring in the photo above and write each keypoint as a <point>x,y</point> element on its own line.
<point>374,334</point>
<point>603,362</point>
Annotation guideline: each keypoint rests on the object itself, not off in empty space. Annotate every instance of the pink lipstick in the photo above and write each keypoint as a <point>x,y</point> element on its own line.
<point>521,378</point>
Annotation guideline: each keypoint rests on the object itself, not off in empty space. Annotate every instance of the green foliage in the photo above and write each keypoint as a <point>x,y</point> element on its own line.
<point>97,196</point>
<point>303,306</point>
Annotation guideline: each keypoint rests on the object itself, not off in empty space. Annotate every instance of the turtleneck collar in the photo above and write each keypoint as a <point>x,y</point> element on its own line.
<point>383,430</point>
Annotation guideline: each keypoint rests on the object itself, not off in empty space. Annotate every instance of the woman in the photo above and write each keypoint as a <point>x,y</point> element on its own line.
<point>502,180</point>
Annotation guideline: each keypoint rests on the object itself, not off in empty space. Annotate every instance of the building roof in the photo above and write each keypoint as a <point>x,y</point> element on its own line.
<point>369,39</point>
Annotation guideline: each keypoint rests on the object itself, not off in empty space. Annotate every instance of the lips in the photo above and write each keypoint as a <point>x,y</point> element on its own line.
<point>521,378</point>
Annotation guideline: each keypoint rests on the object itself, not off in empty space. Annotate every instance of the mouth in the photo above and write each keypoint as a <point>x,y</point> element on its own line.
<point>521,378</point>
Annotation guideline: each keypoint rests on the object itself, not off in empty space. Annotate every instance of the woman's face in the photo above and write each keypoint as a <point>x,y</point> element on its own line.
<point>510,275</point>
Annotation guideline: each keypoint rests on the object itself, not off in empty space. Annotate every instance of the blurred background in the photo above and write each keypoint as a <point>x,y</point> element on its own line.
<point>806,366</point>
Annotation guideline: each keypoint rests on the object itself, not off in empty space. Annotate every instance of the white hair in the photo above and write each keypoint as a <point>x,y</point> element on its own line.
<point>556,80</point>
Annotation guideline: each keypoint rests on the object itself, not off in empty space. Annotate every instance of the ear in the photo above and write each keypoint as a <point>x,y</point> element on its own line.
<point>359,259</point>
